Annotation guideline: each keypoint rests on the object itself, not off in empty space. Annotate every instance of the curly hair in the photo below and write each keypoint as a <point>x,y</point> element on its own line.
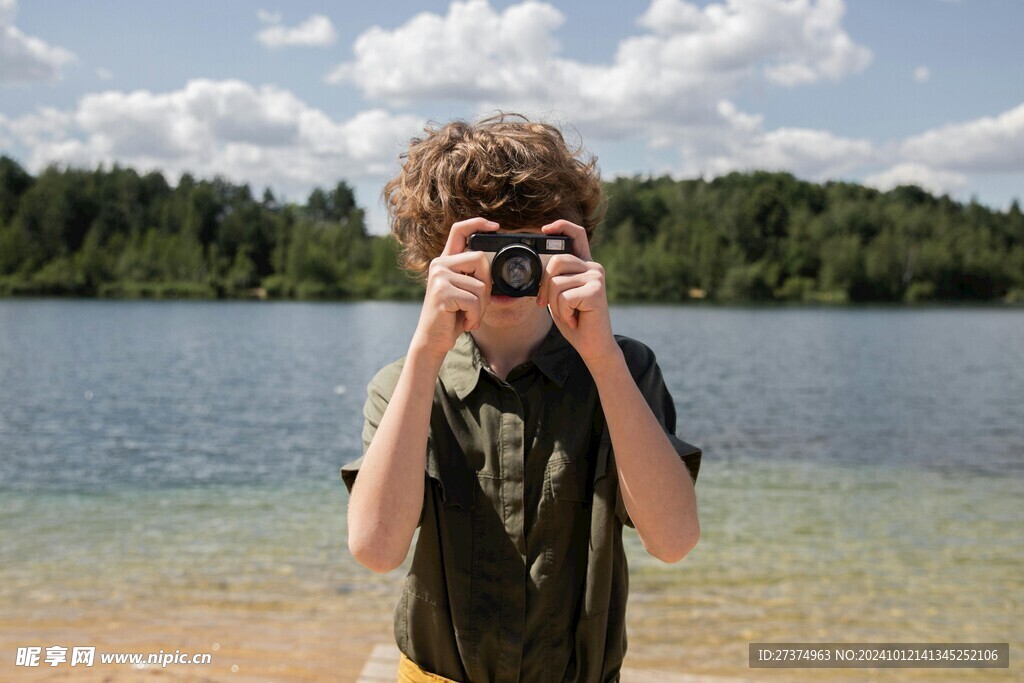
<point>505,168</point>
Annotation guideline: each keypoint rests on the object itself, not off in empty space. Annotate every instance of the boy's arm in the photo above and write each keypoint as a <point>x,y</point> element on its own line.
<point>386,501</point>
<point>654,481</point>
<point>387,498</point>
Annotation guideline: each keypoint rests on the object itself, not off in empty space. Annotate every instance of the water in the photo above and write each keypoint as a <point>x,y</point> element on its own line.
<point>861,480</point>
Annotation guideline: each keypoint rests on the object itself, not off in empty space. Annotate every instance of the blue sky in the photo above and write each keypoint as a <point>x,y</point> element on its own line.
<point>299,94</point>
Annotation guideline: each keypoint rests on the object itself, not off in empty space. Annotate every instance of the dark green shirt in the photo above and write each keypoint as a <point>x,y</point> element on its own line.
<point>519,572</point>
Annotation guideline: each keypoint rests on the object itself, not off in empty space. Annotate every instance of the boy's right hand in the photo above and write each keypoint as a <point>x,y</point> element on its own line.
<point>458,291</point>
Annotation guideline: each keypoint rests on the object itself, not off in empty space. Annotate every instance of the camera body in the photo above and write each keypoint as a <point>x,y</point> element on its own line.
<point>518,259</point>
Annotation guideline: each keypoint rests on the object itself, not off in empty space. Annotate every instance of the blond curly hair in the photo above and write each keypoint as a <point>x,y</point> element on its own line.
<point>506,168</point>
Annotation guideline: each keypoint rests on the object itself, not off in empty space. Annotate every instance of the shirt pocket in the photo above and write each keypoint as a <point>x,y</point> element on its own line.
<point>572,480</point>
<point>574,476</point>
<point>455,481</point>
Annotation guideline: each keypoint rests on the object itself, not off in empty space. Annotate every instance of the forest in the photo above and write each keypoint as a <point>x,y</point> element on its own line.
<point>742,237</point>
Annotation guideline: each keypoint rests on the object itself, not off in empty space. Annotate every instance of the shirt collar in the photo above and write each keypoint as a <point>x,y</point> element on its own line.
<point>461,369</point>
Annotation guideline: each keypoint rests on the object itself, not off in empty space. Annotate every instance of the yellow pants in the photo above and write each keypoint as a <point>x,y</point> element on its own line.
<point>410,672</point>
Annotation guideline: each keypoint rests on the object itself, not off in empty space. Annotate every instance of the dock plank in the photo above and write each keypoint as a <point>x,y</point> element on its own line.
<point>382,666</point>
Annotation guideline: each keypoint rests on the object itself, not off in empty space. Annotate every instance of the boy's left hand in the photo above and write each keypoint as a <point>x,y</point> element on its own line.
<point>573,289</point>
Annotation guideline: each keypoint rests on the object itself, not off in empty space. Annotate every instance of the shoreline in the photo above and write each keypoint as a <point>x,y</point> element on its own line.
<point>768,304</point>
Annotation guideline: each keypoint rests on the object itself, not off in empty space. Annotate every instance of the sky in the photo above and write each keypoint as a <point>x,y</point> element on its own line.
<point>301,94</point>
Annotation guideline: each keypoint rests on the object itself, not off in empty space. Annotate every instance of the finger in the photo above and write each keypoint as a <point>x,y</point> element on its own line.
<point>470,284</point>
<point>474,263</point>
<point>466,294</point>
<point>478,289</point>
<point>452,299</point>
<point>472,316</point>
<point>553,294</point>
<point>561,312</point>
<point>563,303</point>
<point>542,288</point>
<point>560,264</point>
<point>564,264</point>
<point>465,305</point>
<point>575,288</point>
<point>578,300</point>
<point>553,266</point>
<point>468,271</point>
<point>580,242</point>
<point>461,231</point>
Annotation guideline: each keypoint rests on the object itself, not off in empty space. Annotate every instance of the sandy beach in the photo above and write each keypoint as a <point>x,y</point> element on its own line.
<point>310,644</point>
<point>333,642</point>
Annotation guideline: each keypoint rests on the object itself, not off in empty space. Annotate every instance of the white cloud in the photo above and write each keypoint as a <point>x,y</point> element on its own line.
<point>922,74</point>
<point>264,135</point>
<point>670,84</point>
<point>809,153</point>
<point>46,126</point>
<point>673,74</point>
<point>317,31</point>
<point>737,119</point>
<point>27,59</point>
<point>268,17</point>
<point>791,43</point>
<point>472,53</point>
<point>910,173</point>
<point>104,74</point>
<point>989,144</point>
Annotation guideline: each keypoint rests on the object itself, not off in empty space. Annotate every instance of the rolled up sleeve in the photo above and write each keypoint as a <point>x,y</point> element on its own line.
<point>378,395</point>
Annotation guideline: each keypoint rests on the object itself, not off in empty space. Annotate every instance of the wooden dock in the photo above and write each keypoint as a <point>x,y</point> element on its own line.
<point>382,667</point>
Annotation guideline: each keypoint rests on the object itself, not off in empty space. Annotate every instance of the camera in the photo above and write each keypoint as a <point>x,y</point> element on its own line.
<point>518,259</point>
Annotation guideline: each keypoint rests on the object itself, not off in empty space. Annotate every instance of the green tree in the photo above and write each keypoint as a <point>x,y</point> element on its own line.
<point>14,182</point>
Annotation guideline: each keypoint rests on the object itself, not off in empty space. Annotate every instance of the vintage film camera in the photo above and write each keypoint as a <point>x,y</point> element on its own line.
<point>518,259</point>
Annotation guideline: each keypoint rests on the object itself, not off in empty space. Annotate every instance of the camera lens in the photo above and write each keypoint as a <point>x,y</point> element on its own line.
<point>517,272</point>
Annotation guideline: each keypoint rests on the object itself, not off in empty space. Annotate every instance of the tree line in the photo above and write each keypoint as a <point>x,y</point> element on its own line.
<point>112,232</point>
<point>769,236</point>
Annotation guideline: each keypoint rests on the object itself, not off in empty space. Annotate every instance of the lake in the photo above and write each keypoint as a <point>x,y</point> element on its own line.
<point>172,468</point>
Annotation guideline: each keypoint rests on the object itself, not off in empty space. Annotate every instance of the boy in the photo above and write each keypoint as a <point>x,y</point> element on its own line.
<point>518,434</point>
